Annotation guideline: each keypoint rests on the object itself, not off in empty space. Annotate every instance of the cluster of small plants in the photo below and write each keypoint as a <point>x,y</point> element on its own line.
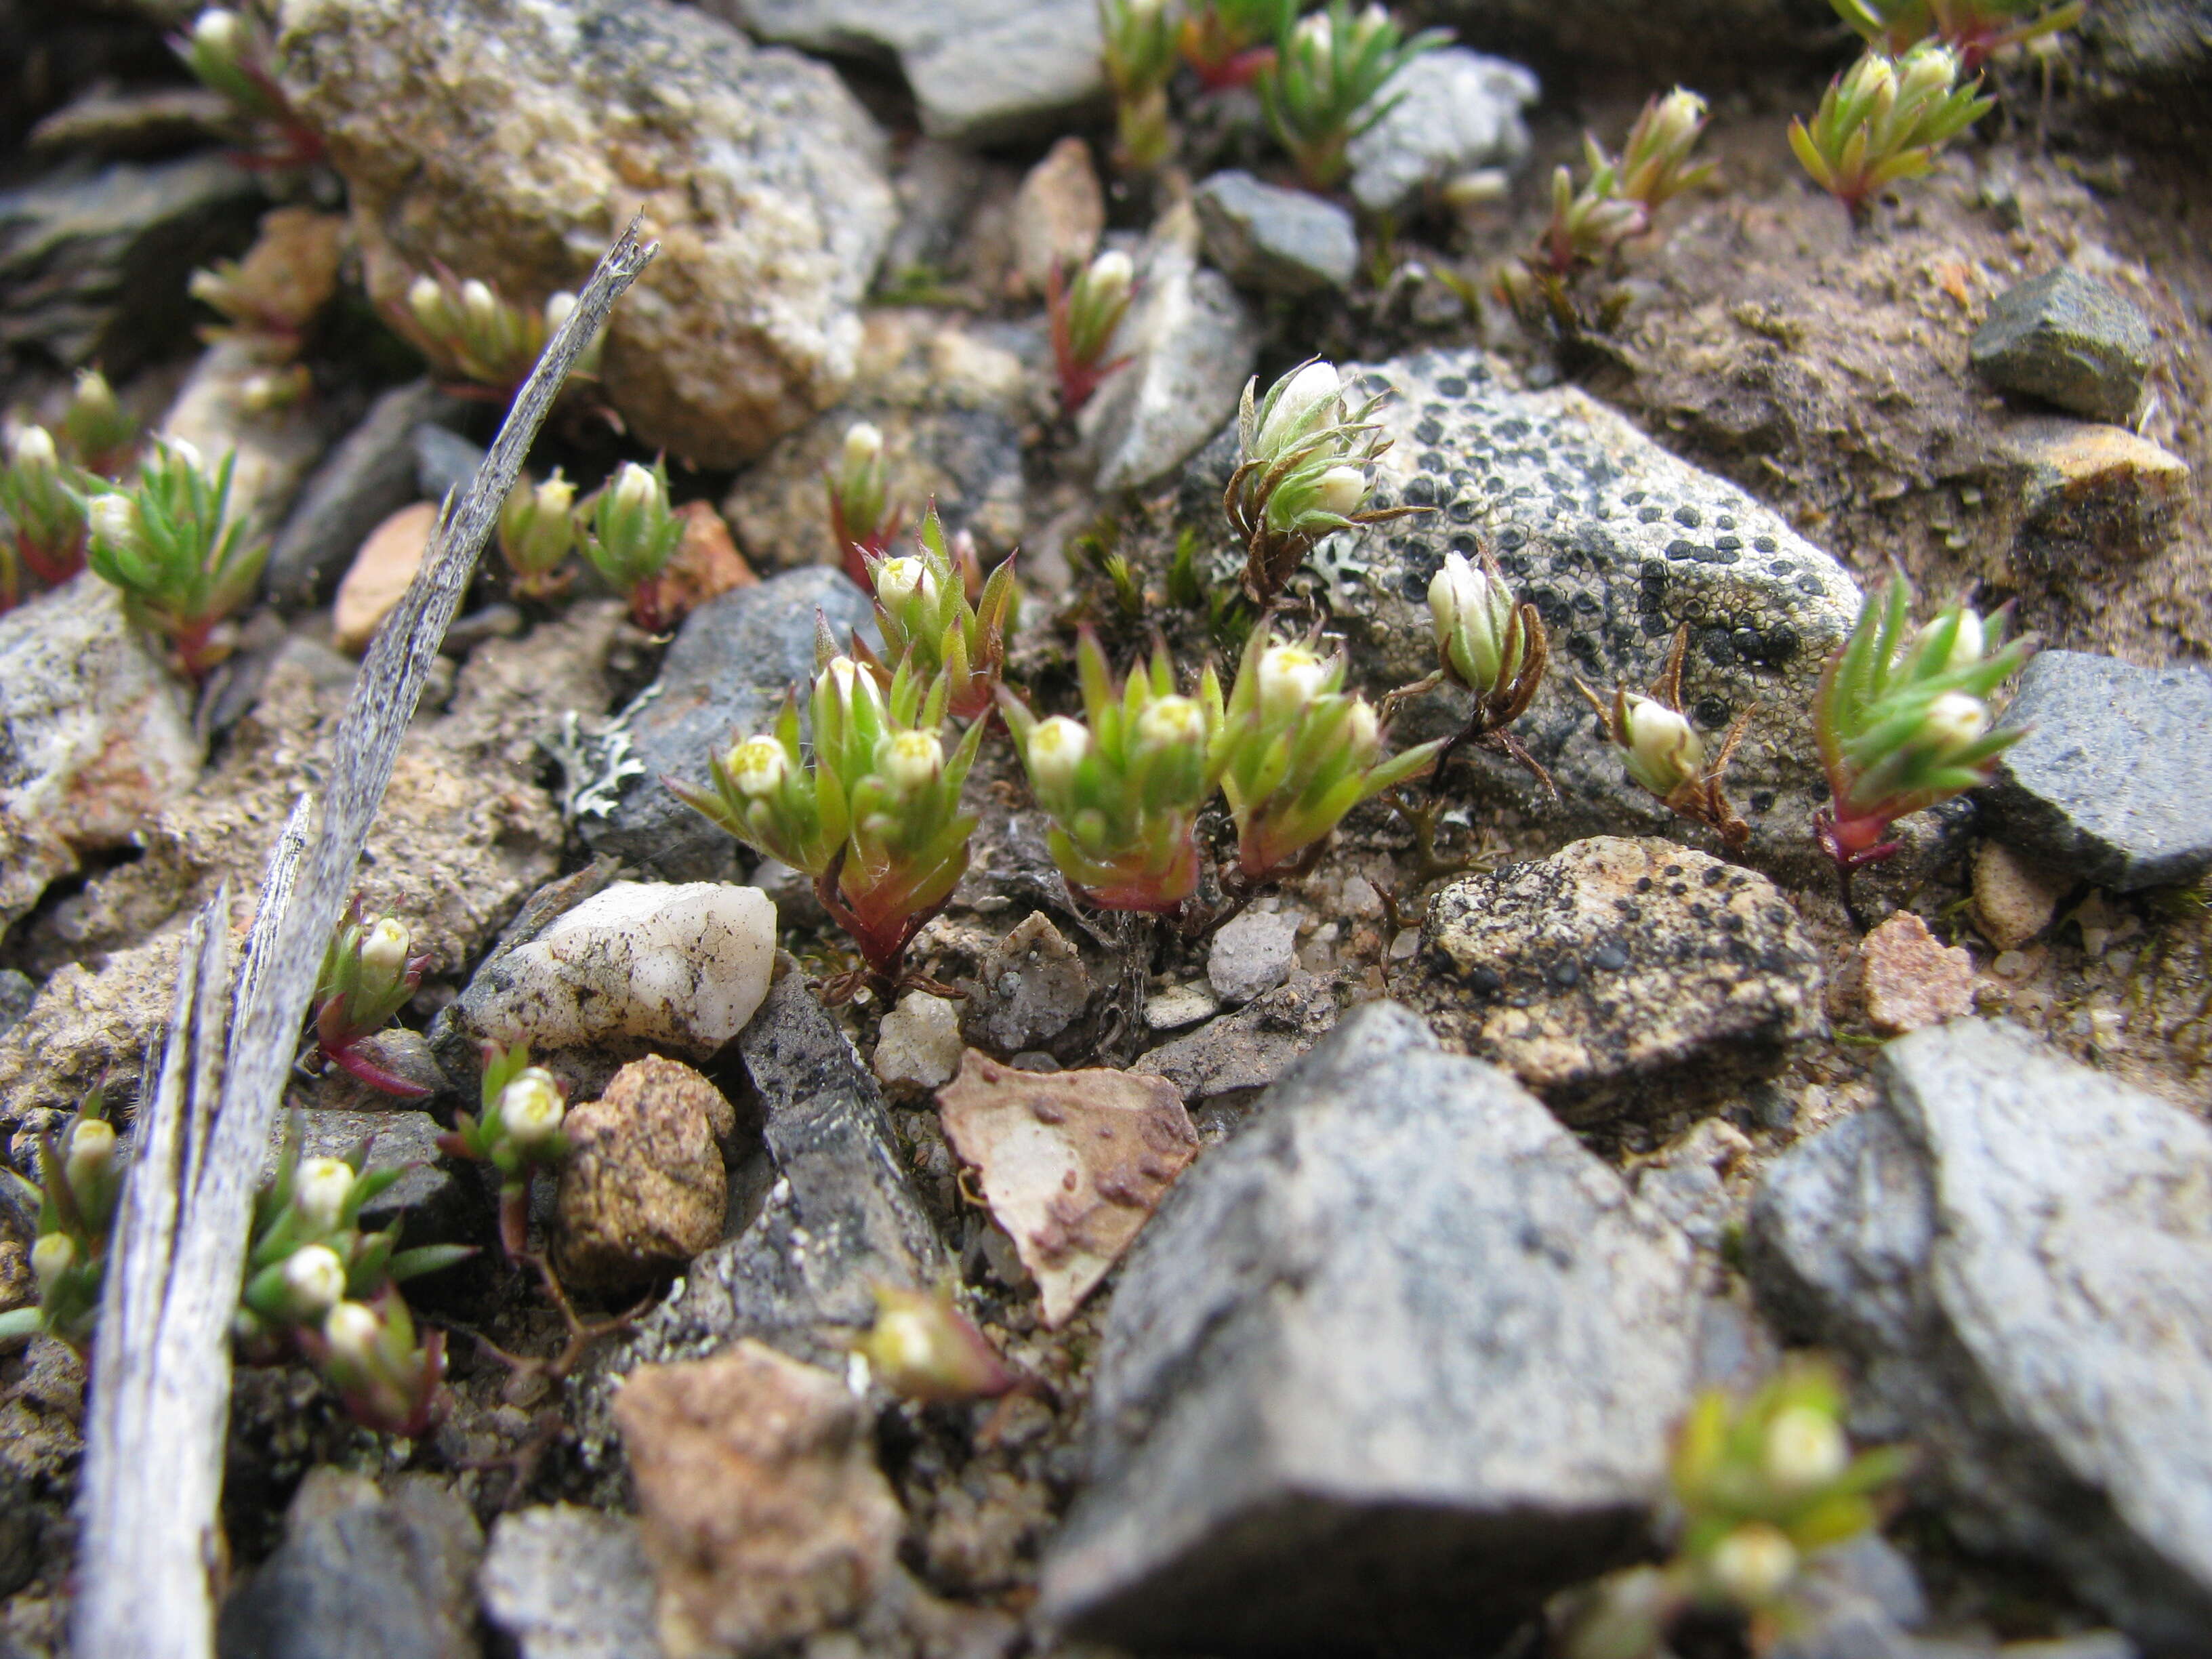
<point>1322,79</point>
<point>48,482</point>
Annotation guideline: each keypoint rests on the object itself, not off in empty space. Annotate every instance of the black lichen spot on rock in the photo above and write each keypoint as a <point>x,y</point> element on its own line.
<point>1713,712</point>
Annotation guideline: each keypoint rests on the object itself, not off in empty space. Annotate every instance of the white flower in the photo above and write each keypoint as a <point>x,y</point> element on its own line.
<point>114,520</point>
<point>183,450</point>
<point>1955,719</point>
<point>1341,491</point>
<point>1929,70</point>
<point>54,1255</point>
<point>1471,614</point>
<point>1805,1449</point>
<point>634,488</point>
<point>1753,1564</point>
<point>864,446</point>
<point>910,760</point>
<point>481,307</point>
<point>33,449</point>
<point>1290,677</point>
<point>1664,752</point>
<point>1312,385</point>
<point>91,1151</point>
<point>319,1189</point>
<point>1109,278</point>
<point>1056,748</point>
<point>531,1108</point>
<point>758,767</point>
<point>1170,722</point>
<point>314,1280</point>
<point>898,579</point>
<point>427,301</point>
<point>1966,645</point>
<point>384,949</point>
<point>1314,39</point>
<point>216,32</point>
<point>353,1331</point>
<point>555,497</point>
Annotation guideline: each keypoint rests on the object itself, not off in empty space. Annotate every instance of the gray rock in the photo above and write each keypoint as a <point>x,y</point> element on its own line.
<point>1192,343</point>
<point>1031,987</point>
<point>2112,782</point>
<point>440,1201</point>
<point>842,1216</point>
<point>1617,974</point>
<point>981,71</point>
<point>2068,339</point>
<point>1276,240</point>
<point>1384,1370</point>
<point>387,1578</point>
<point>369,476</point>
<point>563,1582</point>
<point>1252,953</point>
<point>1248,1049</point>
<point>17,992</point>
<point>2084,496</point>
<point>724,678</point>
<point>2013,1251</point>
<point>1459,111</point>
<point>96,736</point>
<point>444,461</point>
<point>512,145</point>
<point>93,264</point>
<point>1616,543</point>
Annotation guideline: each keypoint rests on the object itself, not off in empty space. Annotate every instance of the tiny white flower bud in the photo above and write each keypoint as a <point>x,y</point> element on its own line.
<point>1927,72</point>
<point>1314,35</point>
<point>314,1280</point>
<point>1753,1564</point>
<point>319,1189</point>
<point>1955,719</point>
<point>1110,277</point>
<point>1805,1449</point>
<point>1170,722</point>
<point>864,446</point>
<point>1056,748</point>
<point>54,1255</point>
<point>216,32</point>
<point>353,1331</point>
<point>1664,752</point>
<point>910,760</point>
<point>114,520</point>
<point>1290,677</point>
<point>1966,645</point>
<point>184,450</point>
<point>1341,491</point>
<point>758,767</point>
<point>479,304</point>
<point>898,579</point>
<point>33,449</point>
<point>91,1152</point>
<point>1314,383</point>
<point>1363,731</point>
<point>427,301</point>
<point>383,948</point>
<point>531,1107</point>
<point>555,497</point>
<point>557,310</point>
<point>634,488</point>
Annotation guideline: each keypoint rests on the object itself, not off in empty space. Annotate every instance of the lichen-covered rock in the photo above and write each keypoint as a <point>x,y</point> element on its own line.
<point>643,1188</point>
<point>1030,988</point>
<point>84,1026</point>
<point>1456,111</point>
<point>95,737</point>
<point>1617,543</point>
<point>683,964</point>
<point>514,141</point>
<point>1192,341</point>
<point>1615,969</point>
<point>981,71</point>
<point>2070,340</point>
<point>2011,1249</point>
<point>1387,1368</point>
<point>952,400</point>
<point>759,1501</point>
